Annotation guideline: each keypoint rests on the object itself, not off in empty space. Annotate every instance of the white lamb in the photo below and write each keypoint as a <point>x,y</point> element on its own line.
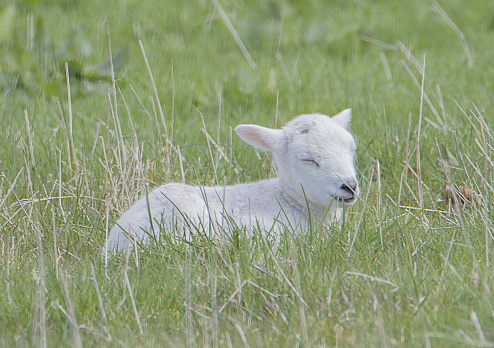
<point>314,155</point>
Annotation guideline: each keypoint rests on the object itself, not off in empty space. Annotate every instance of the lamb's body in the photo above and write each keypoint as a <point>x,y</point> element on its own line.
<point>261,204</point>
<point>314,156</point>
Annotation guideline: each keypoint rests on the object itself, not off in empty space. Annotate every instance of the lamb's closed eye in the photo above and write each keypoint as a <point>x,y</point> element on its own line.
<point>311,161</point>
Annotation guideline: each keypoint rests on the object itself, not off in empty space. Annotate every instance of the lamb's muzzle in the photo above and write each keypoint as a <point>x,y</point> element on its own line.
<point>350,189</point>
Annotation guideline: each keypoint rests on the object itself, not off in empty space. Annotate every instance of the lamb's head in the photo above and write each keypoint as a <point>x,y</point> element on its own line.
<point>314,155</point>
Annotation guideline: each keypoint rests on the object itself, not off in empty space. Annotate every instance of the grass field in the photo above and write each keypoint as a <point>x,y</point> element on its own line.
<point>83,136</point>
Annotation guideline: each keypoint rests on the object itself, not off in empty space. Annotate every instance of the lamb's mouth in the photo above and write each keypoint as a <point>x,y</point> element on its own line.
<point>347,201</point>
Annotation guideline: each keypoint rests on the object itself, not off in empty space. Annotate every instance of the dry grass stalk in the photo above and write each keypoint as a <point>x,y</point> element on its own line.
<point>208,137</point>
<point>379,200</point>
<point>30,139</point>
<point>189,323</point>
<point>71,311</point>
<point>120,150</point>
<point>387,70</point>
<point>404,173</point>
<point>173,102</point>
<point>100,299</point>
<point>458,32</point>
<point>11,186</point>
<point>301,308</point>
<point>156,122</point>
<point>280,271</point>
<point>73,161</point>
<point>40,317</point>
<point>115,103</point>
<point>242,334</point>
<point>219,150</point>
<point>128,112</point>
<point>232,296</point>
<point>420,188</point>
<point>131,294</point>
<point>214,308</point>
<point>62,117</point>
<point>361,217</point>
<point>181,164</point>
<point>272,167</point>
<point>155,89</point>
<point>424,96</point>
<point>232,30</point>
<point>219,127</point>
<point>374,279</point>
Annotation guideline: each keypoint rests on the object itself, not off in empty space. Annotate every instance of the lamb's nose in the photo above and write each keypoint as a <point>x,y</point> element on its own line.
<point>349,187</point>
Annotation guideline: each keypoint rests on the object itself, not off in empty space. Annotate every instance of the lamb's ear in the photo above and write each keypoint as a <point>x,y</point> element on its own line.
<point>344,118</point>
<point>262,138</point>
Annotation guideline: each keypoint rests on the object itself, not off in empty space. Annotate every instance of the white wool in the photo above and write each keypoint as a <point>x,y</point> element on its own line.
<point>314,155</point>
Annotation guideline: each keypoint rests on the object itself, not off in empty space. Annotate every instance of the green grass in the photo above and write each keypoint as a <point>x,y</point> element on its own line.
<point>403,269</point>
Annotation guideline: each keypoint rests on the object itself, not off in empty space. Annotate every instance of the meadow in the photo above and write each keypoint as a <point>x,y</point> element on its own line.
<point>101,101</point>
